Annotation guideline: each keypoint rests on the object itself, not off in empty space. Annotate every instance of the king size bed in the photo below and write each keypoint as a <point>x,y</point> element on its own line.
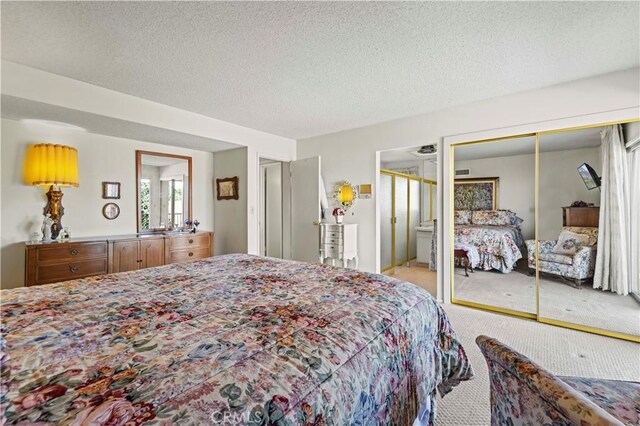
<point>233,339</point>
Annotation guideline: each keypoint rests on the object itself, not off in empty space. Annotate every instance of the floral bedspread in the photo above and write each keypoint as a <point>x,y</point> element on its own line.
<point>498,246</point>
<point>233,339</point>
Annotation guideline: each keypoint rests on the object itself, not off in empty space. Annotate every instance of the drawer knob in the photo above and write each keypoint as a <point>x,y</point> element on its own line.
<point>73,268</point>
<point>190,240</point>
<point>74,251</point>
<point>190,253</point>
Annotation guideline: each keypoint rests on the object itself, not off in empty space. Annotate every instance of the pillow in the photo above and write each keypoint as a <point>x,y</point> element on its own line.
<point>591,232</point>
<point>462,217</point>
<point>569,243</point>
<point>491,217</point>
<point>515,220</point>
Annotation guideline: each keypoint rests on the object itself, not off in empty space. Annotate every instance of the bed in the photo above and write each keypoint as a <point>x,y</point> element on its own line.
<point>233,339</point>
<point>495,234</point>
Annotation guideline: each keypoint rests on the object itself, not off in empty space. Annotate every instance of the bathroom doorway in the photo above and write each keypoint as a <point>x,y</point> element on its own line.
<point>408,204</point>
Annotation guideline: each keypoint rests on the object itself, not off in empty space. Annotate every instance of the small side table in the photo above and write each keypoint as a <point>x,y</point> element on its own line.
<point>463,258</point>
<point>339,241</point>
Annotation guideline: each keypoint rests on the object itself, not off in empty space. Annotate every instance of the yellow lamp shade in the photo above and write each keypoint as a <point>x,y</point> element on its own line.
<point>49,164</point>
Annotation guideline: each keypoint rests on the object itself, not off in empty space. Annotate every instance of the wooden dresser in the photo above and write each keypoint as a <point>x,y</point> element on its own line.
<point>580,216</point>
<point>339,242</point>
<point>47,263</point>
<point>54,262</point>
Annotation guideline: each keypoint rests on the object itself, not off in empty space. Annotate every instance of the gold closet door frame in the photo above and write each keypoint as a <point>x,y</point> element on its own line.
<point>510,312</point>
<point>393,211</point>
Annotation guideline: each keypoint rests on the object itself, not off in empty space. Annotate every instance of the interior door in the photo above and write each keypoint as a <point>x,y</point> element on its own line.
<point>305,209</point>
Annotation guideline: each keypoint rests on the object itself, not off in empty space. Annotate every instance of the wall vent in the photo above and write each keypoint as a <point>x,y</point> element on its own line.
<point>463,172</point>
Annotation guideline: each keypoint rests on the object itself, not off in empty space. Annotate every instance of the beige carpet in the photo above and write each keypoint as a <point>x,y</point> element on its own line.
<point>558,300</point>
<point>562,351</point>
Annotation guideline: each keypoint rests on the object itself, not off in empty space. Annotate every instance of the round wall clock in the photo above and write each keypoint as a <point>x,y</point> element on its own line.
<point>111,211</point>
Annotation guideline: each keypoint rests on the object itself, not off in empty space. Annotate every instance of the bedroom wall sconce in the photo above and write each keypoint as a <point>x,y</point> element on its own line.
<point>54,166</point>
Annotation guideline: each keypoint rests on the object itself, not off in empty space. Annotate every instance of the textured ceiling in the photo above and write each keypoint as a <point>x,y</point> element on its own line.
<point>299,69</point>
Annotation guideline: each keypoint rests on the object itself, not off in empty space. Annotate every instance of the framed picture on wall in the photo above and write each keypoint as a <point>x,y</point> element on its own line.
<point>227,188</point>
<point>476,194</point>
<point>111,190</point>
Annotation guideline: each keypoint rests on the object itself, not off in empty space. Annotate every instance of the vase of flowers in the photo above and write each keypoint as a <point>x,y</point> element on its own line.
<point>338,213</point>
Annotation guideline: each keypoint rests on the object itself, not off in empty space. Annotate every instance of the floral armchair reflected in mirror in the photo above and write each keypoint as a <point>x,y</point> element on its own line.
<point>345,195</point>
<point>163,192</point>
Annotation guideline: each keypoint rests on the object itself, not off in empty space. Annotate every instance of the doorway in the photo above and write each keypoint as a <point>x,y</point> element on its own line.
<point>407,201</point>
<point>271,221</point>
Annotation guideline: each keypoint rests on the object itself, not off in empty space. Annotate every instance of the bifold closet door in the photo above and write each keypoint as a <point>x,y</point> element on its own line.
<point>401,204</point>
<point>386,221</point>
<point>414,216</point>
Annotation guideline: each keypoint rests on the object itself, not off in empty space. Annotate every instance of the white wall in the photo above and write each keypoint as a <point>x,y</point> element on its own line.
<point>561,185</point>
<point>230,216</point>
<point>100,158</point>
<point>352,154</point>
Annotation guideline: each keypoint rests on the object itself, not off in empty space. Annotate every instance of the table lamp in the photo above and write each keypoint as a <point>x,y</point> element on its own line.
<point>54,166</point>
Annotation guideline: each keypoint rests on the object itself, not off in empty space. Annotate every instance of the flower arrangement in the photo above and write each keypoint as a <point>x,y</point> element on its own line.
<point>338,213</point>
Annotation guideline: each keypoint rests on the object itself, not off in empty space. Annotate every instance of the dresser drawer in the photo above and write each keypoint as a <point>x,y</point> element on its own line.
<point>332,250</point>
<point>70,270</point>
<point>190,254</point>
<point>326,232</point>
<point>332,240</point>
<point>71,251</point>
<point>190,241</point>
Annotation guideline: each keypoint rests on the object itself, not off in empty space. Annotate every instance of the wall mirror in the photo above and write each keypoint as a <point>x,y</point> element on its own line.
<point>164,191</point>
<point>493,215</point>
<point>345,195</point>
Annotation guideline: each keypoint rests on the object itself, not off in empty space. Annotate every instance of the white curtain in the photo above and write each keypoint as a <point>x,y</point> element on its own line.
<point>612,261</point>
<point>634,228</point>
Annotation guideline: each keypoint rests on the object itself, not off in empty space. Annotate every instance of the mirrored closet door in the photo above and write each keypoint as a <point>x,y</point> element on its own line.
<point>493,208</point>
<point>586,231</point>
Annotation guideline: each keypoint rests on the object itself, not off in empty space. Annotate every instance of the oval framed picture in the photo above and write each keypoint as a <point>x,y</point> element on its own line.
<point>111,211</point>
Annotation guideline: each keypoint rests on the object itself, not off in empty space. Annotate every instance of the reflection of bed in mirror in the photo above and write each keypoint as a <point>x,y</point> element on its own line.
<point>495,235</point>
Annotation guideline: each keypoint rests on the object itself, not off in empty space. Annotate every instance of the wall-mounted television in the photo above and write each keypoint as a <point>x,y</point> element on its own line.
<point>589,176</point>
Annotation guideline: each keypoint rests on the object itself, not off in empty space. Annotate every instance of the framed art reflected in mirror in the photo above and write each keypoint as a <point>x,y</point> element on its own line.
<point>475,194</point>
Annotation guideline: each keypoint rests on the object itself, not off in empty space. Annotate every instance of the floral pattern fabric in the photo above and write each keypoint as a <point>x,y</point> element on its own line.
<point>233,339</point>
<point>570,242</point>
<point>618,398</point>
<point>583,262</point>
<point>462,217</point>
<point>498,246</point>
<point>492,217</point>
<point>525,394</point>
